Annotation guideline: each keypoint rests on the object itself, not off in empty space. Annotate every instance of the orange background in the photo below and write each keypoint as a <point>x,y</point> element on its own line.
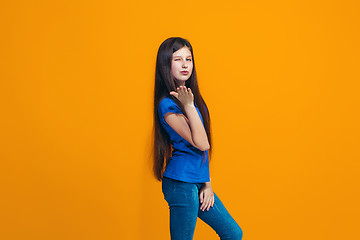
<point>281,80</point>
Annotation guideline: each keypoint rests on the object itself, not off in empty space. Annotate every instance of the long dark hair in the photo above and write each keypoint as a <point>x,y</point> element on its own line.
<point>164,84</point>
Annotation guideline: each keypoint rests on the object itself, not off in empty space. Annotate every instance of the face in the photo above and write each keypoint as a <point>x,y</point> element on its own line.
<point>181,65</point>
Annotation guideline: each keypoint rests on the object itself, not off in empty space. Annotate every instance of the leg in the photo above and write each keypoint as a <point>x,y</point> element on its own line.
<point>183,201</point>
<point>221,221</point>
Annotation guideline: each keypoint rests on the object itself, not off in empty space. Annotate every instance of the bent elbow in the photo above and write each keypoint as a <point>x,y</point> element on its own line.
<point>205,147</point>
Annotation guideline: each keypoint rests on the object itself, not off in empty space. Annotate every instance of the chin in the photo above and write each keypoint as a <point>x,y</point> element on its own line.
<point>184,78</point>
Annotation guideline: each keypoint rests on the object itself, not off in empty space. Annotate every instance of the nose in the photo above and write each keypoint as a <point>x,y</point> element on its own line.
<point>185,65</point>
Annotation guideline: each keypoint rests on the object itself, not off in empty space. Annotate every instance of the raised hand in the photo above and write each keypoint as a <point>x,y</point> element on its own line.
<point>184,95</point>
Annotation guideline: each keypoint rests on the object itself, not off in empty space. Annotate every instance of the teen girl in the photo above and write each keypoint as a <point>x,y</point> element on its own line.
<point>181,144</point>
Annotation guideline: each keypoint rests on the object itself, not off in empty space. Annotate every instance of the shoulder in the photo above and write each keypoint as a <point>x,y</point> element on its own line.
<point>166,105</point>
<point>167,102</point>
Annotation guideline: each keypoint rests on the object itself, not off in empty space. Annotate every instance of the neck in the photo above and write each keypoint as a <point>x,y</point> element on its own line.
<point>179,83</point>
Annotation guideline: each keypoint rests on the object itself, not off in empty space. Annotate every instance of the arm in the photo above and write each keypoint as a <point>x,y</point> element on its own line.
<point>191,128</point>
<point>199,135</point>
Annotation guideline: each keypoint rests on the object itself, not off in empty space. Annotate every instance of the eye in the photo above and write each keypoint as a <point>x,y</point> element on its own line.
<point>189,59</point>
<point>176,59</point>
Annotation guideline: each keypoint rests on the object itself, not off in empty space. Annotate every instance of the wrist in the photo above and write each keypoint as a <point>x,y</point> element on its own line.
<point>189,106</point>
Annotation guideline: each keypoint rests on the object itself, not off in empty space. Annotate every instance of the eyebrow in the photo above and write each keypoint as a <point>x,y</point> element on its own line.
<point>180,56</point>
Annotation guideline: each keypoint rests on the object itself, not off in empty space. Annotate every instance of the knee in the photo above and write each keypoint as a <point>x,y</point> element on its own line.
<point>237,234</point>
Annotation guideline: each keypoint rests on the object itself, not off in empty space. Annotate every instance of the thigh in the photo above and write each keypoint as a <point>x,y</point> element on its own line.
<point>183,201</point>
<point>219,219</point>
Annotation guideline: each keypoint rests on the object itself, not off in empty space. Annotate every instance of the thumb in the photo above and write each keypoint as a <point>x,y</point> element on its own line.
<point>173,93</point>
<point>201,197</point>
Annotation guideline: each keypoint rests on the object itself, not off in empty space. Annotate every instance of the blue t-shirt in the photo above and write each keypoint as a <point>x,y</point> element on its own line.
<point>187,162</point>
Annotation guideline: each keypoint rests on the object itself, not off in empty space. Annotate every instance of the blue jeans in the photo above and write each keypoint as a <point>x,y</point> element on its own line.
<point>184,204</point>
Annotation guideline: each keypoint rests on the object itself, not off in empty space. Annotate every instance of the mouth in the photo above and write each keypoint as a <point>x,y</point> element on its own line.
<point>185,72</point>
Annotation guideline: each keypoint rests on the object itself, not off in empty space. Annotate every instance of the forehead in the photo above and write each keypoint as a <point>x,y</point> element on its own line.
<point>182,52</point>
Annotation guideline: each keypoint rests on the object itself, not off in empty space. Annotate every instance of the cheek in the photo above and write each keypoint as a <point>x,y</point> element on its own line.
<point>174,67</point>
<point>191,66</point>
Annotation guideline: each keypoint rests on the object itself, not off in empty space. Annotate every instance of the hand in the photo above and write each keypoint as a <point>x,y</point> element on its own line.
<point>206,197</point>
<point>184,95</point>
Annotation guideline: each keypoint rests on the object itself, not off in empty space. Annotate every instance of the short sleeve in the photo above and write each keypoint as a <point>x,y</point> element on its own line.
<point>167,105</point>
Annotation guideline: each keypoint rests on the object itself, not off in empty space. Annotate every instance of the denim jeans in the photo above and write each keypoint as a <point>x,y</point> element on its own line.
<point>184,205</point>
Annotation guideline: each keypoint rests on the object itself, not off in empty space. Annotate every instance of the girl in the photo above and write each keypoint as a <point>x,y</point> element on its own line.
<point>181,144</point>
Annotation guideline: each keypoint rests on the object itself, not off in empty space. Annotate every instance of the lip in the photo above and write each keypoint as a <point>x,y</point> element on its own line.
<point>185,72</point>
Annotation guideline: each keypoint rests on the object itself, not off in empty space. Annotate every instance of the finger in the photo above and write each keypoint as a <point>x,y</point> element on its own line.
<point>179,90</point>
<point>189,91</point>
<point>213,202</point>
<point>209,204</point>
<point>202,208</point>
<point>201,197</point>
<point>184,89</point>
<point>205,205</point>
